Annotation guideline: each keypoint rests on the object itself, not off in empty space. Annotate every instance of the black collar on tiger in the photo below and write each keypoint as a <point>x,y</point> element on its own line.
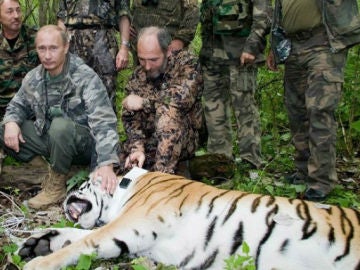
<point>131,176</point>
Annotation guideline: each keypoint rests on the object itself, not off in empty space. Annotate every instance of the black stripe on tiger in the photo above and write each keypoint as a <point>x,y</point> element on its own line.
<point>187,259</point>
<point>238,238</point>
<point>211,204</point>
<point>309,228</point>
<point>124,249</point>
<point>172,196</point>
<point>267,235</point>
<point>207,262</point>
<point>233,207</point>
<point>331,235</point>
<point>210,232</point>
<point>201,200</point>
<point>284,246</point>
<point>151,183</point>
<point>350,234</point>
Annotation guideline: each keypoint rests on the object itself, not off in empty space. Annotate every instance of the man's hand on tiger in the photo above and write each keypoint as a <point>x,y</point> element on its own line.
<point>135,159</point>
<point>108,178</point>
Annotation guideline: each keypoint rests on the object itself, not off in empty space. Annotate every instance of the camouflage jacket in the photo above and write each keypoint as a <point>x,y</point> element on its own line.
<point>79,94</point>
<point>179,17</point>
<point>82,13</point>
<point>16,62</point>
<point>177,93</point>
<point>232,27</point>
<point>341,19</point>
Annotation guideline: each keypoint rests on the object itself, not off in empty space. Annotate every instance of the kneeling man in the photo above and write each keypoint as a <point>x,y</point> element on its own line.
<point>61,112</point>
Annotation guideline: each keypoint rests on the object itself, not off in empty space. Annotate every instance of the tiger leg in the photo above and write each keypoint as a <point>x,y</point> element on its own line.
<point>49,241</point>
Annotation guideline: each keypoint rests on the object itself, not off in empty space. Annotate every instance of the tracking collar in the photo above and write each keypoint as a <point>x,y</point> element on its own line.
<point>131,176</point>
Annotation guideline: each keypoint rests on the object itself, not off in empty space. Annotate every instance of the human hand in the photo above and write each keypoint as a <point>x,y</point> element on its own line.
<point>247,58</point>
<point>133,103</point>
<point>12,136</point>
<point>135,159</point>
<point>270,62</point>
<point>108,178</point>
<point>122,58</point>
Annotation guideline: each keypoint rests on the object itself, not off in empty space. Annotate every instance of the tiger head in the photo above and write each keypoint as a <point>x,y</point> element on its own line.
<point>90,206</point>
<point>85,205</point>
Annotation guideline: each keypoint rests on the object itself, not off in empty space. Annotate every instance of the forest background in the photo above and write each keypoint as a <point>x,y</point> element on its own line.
<point>276,138</point>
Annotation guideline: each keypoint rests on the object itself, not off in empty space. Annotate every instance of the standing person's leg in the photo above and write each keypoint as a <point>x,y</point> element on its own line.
<point>325,78</point>
<point>295,85</point>
<point>243,88</point>
<point>217,109</point>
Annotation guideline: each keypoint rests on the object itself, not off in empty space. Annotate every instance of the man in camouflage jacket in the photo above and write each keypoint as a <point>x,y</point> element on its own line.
<point>92,25</point>
<point>162,111</point>
<point>180,18</point>
<point>17,51</point>
<point>318,34</point>
<point>62,113</point>
<point>233,40</point>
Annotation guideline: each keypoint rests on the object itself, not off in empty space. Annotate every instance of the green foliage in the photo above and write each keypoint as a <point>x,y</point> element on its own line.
<point>9,250</point>
<point>241,261</point>
<point>84,263</point>
<point>77,180</point>
<point>11,161</point>
<point>348,112</point>
<point>64,223</point>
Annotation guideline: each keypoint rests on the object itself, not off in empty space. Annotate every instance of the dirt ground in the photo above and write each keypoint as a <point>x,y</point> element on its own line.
<point>17,185</point>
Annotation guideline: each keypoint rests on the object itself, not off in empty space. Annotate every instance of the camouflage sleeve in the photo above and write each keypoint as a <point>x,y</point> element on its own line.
<point>122,8</point>
<point>256,41</point>
<point>101,119</point>
<point>132,122</point>
<point>62,13</point>
<point>181,95</point>
<point>18,108</point>
<point>187,28</point>
<point>182,90</point>
<point>170,131</point>
<point>134,131</point>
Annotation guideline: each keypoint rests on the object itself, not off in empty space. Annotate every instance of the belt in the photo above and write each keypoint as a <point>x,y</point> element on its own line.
<point>306,34</point>
<point>89,26</point>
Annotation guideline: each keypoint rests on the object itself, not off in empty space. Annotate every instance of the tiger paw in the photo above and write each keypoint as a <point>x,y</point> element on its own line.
<point>38,245</point>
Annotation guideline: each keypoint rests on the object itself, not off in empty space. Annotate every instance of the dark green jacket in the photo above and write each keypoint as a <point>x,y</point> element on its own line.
<point>85,13</point>
<point>179,17</point>
<point>246,21</point>
<point>341,19</point>
<point>81,97</point>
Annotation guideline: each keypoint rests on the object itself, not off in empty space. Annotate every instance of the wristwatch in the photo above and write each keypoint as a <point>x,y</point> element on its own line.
<point>125,43</point>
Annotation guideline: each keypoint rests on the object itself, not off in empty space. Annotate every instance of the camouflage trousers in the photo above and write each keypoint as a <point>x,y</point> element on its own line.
<point>65,143</point>
<point>313,82</point>
<point>229,90</point>
<point>98,48</point>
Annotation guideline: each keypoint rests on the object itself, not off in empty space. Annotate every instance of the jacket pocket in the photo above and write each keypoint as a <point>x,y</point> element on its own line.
<point>342,16</point>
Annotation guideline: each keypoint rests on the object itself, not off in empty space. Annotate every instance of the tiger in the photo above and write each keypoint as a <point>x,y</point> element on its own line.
<point>194,226</point>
